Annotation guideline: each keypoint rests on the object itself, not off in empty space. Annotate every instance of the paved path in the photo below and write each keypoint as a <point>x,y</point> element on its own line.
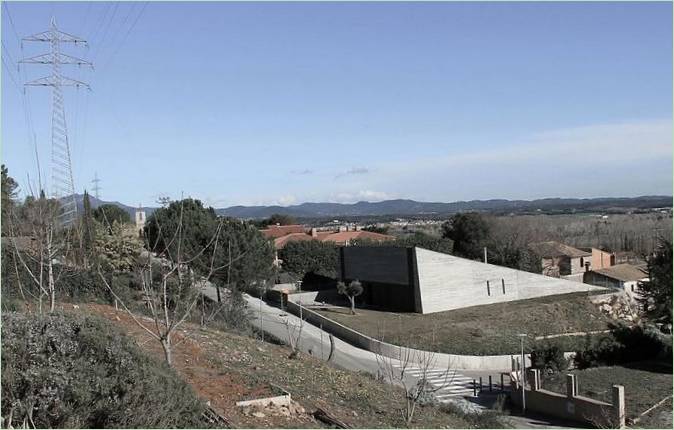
<point>446,383</point>
<point>451,386</point>
<point>315,341</point>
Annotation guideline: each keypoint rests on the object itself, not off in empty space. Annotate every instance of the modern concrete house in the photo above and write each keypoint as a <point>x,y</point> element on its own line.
<point>558,259</point>
<point>622,276</point>
<point>418,280</point>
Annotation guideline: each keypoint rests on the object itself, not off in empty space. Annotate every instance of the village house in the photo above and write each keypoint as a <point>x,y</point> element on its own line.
<point>624,277</point>
<point>560,260</point>
<point>602,259</point>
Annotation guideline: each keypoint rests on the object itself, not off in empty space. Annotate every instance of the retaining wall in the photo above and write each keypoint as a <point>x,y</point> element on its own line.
<point>453,361</point>
<point>571,406</point>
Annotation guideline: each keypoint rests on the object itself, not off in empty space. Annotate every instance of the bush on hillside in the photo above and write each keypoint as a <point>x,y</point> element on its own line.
<point>72,285</point>
<point>627,345</point>
<point>109,214</point>
<point>230,314</point>
<point>69,371</point>
<point>549,358</point>
<point>487,419</point>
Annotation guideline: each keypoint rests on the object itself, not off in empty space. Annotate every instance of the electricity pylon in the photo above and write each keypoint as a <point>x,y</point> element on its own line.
<point>63,185</point>
<point>96,188</point>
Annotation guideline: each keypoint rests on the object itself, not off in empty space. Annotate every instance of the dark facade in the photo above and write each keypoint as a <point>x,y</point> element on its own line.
<point>388,275</point>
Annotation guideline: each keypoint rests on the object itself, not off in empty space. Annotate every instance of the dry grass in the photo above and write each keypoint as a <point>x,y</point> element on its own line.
<point>645,385</point>
<point>225,368</point>
<point>481,330</point>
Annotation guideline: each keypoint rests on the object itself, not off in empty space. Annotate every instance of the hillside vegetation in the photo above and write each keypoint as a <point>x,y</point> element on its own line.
<point>73,371</point>
<point>224,367</point>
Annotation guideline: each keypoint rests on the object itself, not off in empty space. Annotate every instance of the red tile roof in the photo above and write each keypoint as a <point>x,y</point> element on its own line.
<point>624,272</point>
<point>282,234</point>
<point>345,236</point>
<point>274,231</point>
<point>557,249</point>
<point>280,242</point>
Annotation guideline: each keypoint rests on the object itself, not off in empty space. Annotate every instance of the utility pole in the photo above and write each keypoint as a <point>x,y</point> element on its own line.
<point>96,188</point>
<point>63,185</point>
<point>522,373</point>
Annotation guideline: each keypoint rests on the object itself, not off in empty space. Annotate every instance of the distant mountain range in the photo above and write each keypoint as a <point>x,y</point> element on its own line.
<point>411,207</point>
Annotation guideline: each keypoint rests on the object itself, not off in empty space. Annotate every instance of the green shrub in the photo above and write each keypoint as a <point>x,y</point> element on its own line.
<point>487,419</point>
<point>230,314</point>
<point>311,256</point>
<point>87,286</point>
<point>627,345</point>
<point>72,284</point>
<point>549,358</point>
<point>71,371</point>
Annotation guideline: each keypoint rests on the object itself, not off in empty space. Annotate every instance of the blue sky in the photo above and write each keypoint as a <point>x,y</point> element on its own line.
<point>281,103</point>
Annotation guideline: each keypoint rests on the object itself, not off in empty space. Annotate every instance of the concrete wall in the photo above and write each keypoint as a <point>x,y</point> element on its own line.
<point>571,406</point>
<point>387,265</point>
<point>447,282</point>
<point>443,361</point>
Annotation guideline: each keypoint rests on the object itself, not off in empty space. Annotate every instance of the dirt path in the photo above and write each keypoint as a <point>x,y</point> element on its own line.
<point>199,361</point>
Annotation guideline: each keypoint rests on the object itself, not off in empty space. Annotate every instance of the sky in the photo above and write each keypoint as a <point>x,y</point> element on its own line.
<point>284,103</point>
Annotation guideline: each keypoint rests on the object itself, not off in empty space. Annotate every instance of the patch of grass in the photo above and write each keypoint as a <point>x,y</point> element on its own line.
<point>486,329</point>
<point>643,388</point>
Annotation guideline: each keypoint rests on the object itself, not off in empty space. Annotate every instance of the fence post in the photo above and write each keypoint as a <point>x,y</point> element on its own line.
<point>618,395</point>
<point>571,386</point>
<point>534,379</point>
<point>480,383</point>
<point>502,388</point>
<point>474,388</point>
<point>489,383</point>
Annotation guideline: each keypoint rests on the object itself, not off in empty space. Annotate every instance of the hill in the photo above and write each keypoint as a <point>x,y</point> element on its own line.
<point>403,207</point>
<point>412,207</point>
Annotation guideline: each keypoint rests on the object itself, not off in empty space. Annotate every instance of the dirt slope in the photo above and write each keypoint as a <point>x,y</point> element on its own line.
<point>225,368</point>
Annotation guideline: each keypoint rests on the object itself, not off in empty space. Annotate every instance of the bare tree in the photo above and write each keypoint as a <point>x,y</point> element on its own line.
<point>45,258</point>
<point>170,288</point>
<point>294,337</point>
<point>397,369</point>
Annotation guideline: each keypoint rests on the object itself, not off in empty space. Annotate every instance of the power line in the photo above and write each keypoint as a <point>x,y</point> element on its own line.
<point>105,33</point>
<point>104,14</point>
<point>11,21</point>
<point>126,35</point>
<point>9,73</point>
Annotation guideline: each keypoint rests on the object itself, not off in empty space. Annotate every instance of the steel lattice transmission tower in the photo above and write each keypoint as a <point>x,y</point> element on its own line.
<point>96,188</point>
<point>63,185</point>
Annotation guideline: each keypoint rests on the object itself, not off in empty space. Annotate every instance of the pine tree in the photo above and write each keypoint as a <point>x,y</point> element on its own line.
<point>657,291</point>
<point>87,230</point>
